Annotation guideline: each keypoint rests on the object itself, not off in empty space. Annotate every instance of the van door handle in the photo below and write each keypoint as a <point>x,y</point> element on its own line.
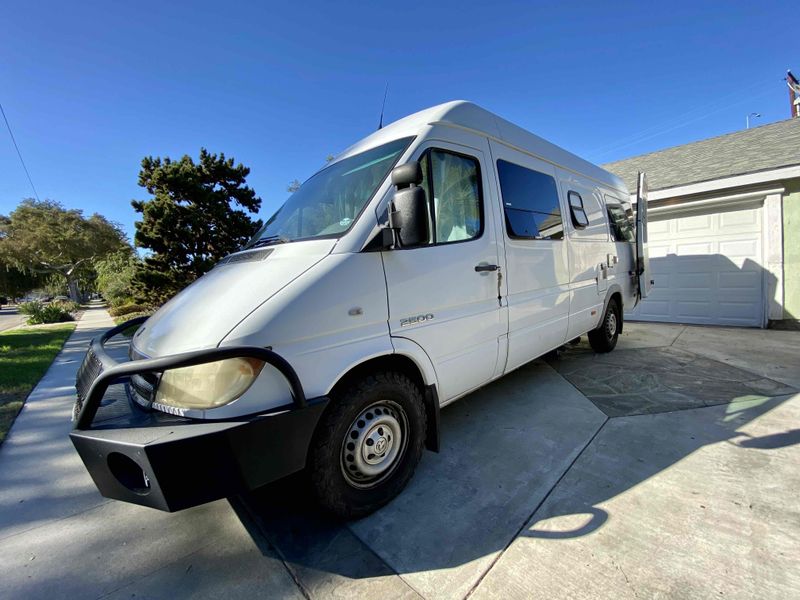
<point>484,268</point>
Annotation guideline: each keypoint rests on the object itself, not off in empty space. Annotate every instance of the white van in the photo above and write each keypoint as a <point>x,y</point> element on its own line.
<point>430,258</point>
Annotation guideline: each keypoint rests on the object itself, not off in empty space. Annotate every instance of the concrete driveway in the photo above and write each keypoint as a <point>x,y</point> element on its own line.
<point>666,468</point>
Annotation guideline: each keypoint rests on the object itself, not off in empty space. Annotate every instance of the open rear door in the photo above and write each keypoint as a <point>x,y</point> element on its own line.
<point>642,258</point>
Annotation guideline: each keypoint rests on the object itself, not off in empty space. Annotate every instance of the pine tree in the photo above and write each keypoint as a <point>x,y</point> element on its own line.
<point>198,214</point>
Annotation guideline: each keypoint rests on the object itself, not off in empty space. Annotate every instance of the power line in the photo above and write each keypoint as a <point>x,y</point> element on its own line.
<point>11,133</point>
<point>679,125</point>
<point>682,120</point>
<point>658,127</point>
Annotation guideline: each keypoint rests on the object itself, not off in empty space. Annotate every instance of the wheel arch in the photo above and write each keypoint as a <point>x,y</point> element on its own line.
<point>384,362</point>
<point>405,364</point>
<point>614,293</point>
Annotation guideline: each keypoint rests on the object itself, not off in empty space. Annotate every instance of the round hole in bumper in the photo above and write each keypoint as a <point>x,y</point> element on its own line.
<point>187,464</point>
<point>128,473</point>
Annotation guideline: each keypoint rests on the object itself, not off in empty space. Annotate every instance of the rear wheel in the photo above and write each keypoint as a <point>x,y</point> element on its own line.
<point>367,445</point>
<point>604,338</point>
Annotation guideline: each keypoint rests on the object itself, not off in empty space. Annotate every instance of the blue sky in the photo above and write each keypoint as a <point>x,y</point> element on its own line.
<point>92,87</point>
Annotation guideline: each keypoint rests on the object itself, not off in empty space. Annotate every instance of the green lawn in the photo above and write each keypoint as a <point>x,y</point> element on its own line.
<point>25,355</point>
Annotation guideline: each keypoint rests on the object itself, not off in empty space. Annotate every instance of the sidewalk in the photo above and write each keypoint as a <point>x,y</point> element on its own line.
<point>60,539</point>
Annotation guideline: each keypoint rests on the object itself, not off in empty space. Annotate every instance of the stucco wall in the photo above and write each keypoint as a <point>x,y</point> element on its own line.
<point>791,249</point>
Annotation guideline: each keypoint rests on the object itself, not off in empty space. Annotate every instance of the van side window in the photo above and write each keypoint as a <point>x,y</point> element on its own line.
<point>453,181</point>
<point>576,209</point>
<point>530,201</point>
<point>621,227</point>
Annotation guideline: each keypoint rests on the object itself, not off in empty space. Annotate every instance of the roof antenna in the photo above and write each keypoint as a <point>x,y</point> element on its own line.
<point>386,91</point>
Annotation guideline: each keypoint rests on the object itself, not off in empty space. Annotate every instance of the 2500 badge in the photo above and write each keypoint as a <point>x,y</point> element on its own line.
<point>415,320</point>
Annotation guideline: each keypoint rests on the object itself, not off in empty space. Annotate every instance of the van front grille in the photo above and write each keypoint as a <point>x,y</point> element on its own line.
<point>143,388</point>
<point>90,369</point>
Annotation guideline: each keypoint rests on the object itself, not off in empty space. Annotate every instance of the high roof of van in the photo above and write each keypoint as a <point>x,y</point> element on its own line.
<point>467,115</point>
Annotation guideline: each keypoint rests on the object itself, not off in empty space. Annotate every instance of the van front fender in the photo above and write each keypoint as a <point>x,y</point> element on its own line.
<point>417,354</point>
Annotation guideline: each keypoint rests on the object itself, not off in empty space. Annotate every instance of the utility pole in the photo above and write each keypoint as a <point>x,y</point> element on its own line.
<point>794,94</point>
<point>753,115</point>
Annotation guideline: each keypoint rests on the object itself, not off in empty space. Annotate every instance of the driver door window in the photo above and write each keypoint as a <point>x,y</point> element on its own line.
<point>453,182</point>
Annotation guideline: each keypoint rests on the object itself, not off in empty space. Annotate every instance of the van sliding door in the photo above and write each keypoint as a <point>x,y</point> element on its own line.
<point>536,254</point>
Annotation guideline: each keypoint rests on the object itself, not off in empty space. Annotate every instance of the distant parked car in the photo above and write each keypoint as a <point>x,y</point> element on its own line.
<point>60,299</point>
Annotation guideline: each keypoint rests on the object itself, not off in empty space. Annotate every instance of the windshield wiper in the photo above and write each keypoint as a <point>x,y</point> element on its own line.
<point>271,240</point>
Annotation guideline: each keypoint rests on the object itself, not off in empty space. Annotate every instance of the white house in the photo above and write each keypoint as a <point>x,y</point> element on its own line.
<point>724,228</point>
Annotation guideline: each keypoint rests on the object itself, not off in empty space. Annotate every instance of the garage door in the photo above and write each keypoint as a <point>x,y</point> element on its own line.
<point>706,267</point>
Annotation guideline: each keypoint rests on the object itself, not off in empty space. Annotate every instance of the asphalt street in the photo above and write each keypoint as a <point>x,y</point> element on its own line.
<point>10,318</point>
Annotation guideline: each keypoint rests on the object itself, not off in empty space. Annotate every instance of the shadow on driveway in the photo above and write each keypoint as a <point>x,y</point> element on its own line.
<point>505,448</point>
<point>772,441</point>
<point>633,382</point>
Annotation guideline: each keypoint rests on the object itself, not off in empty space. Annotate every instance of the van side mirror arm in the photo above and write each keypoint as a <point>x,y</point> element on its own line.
<point>385,239</point>
<point>388,237</point>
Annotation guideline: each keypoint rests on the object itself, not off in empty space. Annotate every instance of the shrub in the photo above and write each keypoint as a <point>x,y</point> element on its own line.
<point>114,275</point>
<point>69,306</point>
<point>127,309</point>
<point>45,313</point>
<point>130,331</point>
<point>29,308</point>
<point>144,313</point>
<point>119,301</point>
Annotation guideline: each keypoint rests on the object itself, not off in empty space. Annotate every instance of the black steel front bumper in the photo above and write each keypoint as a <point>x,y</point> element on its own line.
<point>170,462</point>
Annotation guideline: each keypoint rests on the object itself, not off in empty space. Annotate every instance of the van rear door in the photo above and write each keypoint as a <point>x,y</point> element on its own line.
<point>642,258</point>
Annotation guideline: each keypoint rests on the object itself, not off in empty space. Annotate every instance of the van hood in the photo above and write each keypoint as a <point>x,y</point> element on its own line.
<point>202,314</point>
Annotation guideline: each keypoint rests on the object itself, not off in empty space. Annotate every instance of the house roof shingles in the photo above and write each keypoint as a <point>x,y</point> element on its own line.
<point>749,151</point>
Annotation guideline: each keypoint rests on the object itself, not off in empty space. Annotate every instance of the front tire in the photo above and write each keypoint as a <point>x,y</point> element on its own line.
<point>604,338</point>
<point>367,444</point>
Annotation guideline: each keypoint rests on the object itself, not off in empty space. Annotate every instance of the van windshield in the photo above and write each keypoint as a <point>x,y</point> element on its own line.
<point>329,202</point>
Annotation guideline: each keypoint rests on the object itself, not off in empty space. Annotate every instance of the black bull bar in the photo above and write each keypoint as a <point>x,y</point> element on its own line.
<point>172,463</point>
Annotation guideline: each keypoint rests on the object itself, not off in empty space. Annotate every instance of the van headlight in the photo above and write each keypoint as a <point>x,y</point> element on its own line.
<point>209,385</point>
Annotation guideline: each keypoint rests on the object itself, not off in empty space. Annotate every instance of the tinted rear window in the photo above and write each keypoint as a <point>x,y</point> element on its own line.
<point>530,200</point>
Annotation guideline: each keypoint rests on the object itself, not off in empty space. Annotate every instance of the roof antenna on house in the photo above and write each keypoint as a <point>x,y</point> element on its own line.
<point>794,94</point>
<point>386,91</point>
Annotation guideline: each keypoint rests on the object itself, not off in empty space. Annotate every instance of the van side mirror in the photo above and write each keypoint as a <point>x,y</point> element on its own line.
<point>409,216</point>
<point>407,174</point>
<point>408,212</point>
